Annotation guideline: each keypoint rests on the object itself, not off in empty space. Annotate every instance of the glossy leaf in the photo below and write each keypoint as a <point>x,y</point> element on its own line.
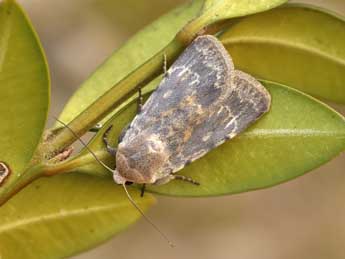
<point>24,84</point>
<point>64,215</point>
<point>297,135</point>
<point>141,47</point>
<point>297,46</point>
<point>218,10</point>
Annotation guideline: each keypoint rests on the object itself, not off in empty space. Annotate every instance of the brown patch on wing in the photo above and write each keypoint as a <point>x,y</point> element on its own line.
<point>4,172</point>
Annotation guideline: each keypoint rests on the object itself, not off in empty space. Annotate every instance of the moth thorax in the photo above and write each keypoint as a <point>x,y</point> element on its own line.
<point>140,160</point>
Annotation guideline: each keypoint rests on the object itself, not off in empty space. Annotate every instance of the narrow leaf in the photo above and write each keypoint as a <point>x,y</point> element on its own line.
<point>296,45</point>
<point>297,135</point>
<point>64,215</point>
<point>24,84</point>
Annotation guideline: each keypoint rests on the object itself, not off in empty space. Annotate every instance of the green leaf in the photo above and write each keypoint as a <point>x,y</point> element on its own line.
<point>217,10</point>
<point>64,215</point>
<point>297,135</point>
<point>129,57</point>
<point>297,46</point>
<point>25,90</point>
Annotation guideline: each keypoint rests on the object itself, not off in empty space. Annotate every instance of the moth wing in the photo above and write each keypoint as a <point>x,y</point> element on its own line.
<point>193,84</point>
<point>247,101</point>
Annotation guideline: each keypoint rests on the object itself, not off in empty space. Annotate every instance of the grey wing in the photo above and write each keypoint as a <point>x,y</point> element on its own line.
<point>244,104</point>
<point>195,81</point>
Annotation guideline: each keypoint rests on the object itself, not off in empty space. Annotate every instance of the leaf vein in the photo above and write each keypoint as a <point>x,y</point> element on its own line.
<point>277,133</point>
<point>57,215</point>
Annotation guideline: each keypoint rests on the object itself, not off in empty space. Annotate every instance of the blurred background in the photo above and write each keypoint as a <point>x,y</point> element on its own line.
<point>304,218</point>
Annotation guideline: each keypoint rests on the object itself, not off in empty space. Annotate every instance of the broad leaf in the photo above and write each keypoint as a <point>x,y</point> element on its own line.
<point>297,135</point>
<point>296,46</point>
<point>24,84</point>
<point>64,215</point>
<point>133,54</point>
<point>217,10</point>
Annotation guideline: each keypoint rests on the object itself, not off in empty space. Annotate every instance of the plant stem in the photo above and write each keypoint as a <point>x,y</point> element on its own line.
<point>7,191</point>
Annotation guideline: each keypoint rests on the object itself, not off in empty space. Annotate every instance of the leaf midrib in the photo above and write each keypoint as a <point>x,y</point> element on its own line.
<point>58,216</point>
<point>278,133</point>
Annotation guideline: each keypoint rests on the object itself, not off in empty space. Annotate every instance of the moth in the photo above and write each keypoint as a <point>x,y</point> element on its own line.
<point>201,102</point>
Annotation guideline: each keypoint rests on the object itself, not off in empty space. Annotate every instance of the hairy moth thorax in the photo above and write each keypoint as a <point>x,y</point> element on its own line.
<point>140,159</point>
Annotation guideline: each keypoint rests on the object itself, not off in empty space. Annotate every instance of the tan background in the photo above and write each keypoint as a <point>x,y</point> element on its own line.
<point>304,218</point>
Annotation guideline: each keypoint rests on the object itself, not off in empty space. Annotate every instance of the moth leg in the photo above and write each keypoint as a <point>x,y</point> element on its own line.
<point>96,128</point>
<point>123,132</point>
<point>185,178</point>
<point>165,65</point>
<point>110,149</point>
<point>140,100</point>
<point>143,187</point>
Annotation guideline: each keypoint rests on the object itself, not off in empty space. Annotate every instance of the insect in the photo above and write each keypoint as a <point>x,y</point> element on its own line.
<point>201,102</point>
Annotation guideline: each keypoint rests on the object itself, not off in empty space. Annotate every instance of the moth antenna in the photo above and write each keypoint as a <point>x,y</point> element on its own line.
<point>145,217</point>
<point>123,185</point>
<point>86,146</point>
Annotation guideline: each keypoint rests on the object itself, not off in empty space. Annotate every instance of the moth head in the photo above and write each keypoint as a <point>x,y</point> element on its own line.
<point>140,160</point>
